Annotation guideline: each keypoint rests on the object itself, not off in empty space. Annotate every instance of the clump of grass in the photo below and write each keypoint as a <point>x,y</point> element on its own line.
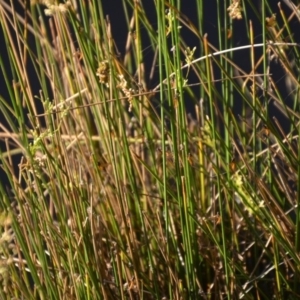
<point>124,191</point>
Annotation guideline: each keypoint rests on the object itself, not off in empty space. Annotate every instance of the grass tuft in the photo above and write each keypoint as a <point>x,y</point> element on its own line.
<point>159,170</point>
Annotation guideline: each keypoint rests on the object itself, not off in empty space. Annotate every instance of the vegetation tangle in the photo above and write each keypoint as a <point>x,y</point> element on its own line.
<point>161,167</point>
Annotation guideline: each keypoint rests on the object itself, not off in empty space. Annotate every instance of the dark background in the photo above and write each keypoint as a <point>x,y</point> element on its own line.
<point>114,10</point>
